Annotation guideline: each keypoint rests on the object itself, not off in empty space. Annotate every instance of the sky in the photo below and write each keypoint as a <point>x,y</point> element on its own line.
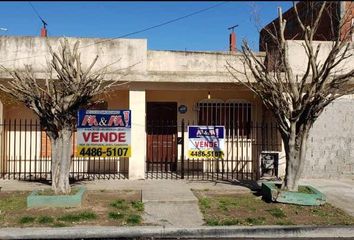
<point>205,31</point>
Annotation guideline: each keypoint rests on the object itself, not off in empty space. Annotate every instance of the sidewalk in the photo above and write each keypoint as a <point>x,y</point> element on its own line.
<point>171,203</point>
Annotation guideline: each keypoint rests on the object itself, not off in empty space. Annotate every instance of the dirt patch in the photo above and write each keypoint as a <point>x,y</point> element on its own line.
<point>98,208</point>
<point>250,209</point>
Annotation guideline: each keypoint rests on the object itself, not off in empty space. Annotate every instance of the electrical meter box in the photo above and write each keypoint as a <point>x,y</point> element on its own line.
<point>269,163</point>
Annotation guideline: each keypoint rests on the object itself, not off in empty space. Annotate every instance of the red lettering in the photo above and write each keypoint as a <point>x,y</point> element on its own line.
<point>206,144</point>
<point>103,137</point>
<point>86,137</point>
<point>121,137</point>
<point>90,120</point>
<point>112,137</point>
<point>95,137</point>
<point>116,120</point>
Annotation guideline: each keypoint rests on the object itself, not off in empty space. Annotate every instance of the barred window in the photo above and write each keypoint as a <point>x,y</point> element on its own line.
<point>235,115</point>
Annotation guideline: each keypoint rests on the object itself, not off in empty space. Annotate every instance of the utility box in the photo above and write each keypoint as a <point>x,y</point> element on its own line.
<point>269,161</point>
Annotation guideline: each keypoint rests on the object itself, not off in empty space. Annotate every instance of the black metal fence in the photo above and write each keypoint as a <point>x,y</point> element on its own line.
<point>25,153</point>
<point>244,142</point>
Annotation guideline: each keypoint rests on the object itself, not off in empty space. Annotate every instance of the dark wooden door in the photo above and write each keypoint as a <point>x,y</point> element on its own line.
<point>161,136</point>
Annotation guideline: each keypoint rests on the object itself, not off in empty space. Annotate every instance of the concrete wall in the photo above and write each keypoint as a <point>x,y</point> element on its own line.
<point>330,152</point>
<point>118,54</point>
<point>298,59</point>
<point>122,55</point>
<point>180,66</point>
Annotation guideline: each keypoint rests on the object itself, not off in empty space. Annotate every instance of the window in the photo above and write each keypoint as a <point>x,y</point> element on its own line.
<point>235,115</point>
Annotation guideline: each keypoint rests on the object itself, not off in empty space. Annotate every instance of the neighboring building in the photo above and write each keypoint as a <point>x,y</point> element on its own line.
<point>329,26</point>
<point>330,151</point>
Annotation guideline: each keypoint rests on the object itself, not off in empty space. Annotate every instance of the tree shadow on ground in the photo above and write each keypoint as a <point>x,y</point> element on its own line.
<point>72,181</point>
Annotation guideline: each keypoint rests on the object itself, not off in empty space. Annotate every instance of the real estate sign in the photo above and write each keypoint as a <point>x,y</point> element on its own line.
<point>206,142</point>
<point>103,133</point>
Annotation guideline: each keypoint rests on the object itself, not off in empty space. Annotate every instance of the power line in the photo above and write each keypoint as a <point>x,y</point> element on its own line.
<point>131,33</point>
<point>38,15</point>
<point>161,24</point>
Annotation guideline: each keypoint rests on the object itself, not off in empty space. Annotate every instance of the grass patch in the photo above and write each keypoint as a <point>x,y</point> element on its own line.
<point>134,219</point>
<point>205,203</point>
<point>249,209</point>
<point>14,201</point>
<point>320,212</point>
<point>126,212</point>
<point>115,215</point>
<point>45,220</point>
<point>212,222</point>
<point>120,204</point>
<point>77,217</point>
<point>255,220</point>
<point>26,219</point>
<point>231,221</point>
<point>226,203</point>
<point>305,189</point>
<point>138,205</point>
<point>276,212</point>
<point>59,224</point>
<point>106,207</point>
<point>50,192</point>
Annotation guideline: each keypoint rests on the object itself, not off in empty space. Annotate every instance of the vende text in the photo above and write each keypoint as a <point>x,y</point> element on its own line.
<point>206,144</point>
<point>97,137</point>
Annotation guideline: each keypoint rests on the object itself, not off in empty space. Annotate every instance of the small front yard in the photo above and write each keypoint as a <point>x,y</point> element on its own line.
<point>248,209</point>
<point>105,208</point>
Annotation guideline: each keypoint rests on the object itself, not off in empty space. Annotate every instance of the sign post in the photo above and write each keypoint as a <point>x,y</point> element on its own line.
<point>206,142</point>
<point>104,133</point>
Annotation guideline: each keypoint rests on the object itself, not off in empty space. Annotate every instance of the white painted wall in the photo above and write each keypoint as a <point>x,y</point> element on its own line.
<point>138,134</point>
<point>298,59</point>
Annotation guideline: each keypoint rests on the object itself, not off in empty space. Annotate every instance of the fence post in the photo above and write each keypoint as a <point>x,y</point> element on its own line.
<point>182,150</point>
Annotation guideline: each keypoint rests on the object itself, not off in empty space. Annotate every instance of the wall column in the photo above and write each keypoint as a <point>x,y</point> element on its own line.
<point>137,103</point>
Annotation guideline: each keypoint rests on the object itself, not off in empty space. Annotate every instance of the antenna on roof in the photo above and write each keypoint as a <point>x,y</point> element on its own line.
<point>44,23</point>
<point>233,27</point>
<point>43,29</point>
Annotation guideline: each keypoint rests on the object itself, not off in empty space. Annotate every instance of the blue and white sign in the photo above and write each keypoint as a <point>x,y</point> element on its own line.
<point>206,142</point>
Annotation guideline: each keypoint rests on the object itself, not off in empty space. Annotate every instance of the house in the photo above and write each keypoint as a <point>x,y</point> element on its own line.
<point>167,91</point>
<point>159,83</point>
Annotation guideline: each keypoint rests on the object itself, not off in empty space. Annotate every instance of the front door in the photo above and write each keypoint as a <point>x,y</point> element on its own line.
<point>161,125</point>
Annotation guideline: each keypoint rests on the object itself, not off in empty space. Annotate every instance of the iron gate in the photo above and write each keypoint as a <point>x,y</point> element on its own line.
<point>243,145</point>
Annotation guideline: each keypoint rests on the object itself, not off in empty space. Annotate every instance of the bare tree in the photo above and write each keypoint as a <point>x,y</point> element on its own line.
<point>296,101</point>
<point>57,100</point>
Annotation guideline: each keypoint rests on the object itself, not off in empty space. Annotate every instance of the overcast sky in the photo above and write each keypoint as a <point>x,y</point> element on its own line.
<point>204,31</point>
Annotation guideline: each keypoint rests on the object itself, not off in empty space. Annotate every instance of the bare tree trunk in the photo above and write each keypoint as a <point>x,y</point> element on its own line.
<point>61,161</point>
<point>295,156</point>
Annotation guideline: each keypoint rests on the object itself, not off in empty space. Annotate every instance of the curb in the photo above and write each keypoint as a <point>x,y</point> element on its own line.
<point>180,233</point>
